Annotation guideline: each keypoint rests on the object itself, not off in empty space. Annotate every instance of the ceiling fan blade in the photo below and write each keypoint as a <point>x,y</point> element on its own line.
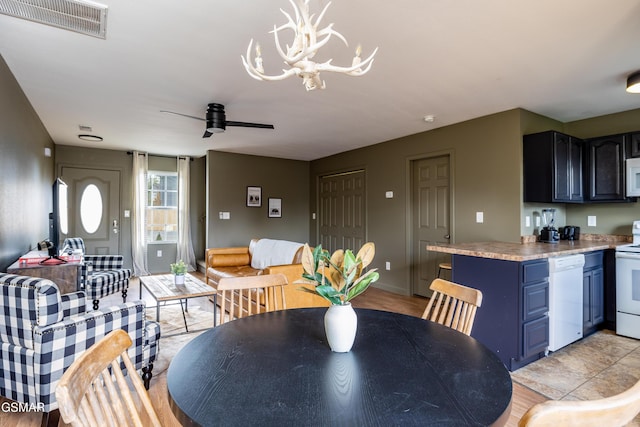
<point>207,134</point>
<point>183,115</point>
<point>249,125</point>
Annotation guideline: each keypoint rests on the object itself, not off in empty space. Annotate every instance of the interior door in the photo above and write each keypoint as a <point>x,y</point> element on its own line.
<point>94,207</point>
<point>342,211</point>
<point>430,212</point>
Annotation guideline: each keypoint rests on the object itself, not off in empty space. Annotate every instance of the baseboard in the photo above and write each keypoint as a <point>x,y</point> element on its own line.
<point>202,266</point>
<point>390,288</point>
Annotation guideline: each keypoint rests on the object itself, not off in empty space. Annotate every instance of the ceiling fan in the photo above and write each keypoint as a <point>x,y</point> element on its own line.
<point>217,121</point>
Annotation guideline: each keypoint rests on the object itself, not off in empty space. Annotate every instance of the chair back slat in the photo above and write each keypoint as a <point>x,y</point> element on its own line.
<point>245,296</point>
<point>94,391</point>
<point>615,411</point>
<point>453,305</point>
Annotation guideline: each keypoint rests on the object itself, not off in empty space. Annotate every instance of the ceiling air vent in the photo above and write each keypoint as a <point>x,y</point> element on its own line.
<point>80,16</point>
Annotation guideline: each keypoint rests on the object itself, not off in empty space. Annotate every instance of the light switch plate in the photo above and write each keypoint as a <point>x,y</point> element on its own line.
<point>527,221</point>
<point>479,217</point>
<point>389,194</point>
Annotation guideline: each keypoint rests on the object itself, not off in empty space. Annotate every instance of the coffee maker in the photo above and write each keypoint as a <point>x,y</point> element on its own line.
<point>549,234</point>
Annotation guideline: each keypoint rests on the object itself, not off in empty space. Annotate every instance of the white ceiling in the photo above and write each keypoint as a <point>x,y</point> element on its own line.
<point>455,59</point>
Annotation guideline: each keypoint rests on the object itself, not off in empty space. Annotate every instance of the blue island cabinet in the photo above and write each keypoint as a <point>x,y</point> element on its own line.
<point>513,320</point>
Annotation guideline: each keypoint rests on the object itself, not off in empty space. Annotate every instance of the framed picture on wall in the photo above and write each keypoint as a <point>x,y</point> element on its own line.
<point>275,208</point>
<point>254,197</point>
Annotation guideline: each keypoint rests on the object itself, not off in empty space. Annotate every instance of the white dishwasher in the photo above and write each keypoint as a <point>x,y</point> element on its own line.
<point>565,300</point>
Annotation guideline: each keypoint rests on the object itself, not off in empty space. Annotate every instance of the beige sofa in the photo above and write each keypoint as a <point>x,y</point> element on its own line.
<point>241,261</point>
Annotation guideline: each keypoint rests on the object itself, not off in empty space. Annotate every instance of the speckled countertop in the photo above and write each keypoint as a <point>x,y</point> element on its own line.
<point>527,251</point>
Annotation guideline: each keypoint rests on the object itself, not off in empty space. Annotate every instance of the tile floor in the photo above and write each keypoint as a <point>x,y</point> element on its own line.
<point>598,366</point>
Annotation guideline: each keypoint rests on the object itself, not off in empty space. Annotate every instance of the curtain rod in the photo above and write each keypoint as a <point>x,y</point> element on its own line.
<point>162,155</point>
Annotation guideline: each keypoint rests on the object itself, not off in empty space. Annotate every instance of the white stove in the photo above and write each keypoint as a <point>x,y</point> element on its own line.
<point>628,286</point>
<point>635,246</point>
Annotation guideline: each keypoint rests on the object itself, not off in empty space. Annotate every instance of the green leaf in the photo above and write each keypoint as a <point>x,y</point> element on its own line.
<point>329,293</point>
<point>363,283</point>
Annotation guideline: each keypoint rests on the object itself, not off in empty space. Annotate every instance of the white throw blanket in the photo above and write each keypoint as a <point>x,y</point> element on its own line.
<point>268,252</point>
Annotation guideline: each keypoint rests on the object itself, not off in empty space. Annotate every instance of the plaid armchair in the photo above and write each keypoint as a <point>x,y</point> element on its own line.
<point>102,275</point>
<point>42,332</point>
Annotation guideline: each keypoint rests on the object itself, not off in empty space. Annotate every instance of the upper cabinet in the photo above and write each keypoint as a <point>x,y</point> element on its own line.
<point>606,168</point>
<point>634,142</point>
<point>553,168</point>
<point>564,169</point>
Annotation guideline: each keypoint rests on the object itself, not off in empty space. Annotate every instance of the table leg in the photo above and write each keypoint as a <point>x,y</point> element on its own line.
<point>215,307</point>
<point>140,289</point>
<point>183,316</point>
<point>157,311</point>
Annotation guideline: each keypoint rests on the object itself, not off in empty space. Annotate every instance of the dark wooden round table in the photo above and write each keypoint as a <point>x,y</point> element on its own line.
<point>277,369</point>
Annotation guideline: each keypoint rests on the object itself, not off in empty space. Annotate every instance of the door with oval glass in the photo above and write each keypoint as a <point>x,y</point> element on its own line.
<point>94,207</point>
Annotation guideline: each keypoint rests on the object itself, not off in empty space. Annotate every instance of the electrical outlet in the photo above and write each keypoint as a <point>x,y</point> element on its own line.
<point>159,253</point>
<point>527,221</point>
<point>591,221</point>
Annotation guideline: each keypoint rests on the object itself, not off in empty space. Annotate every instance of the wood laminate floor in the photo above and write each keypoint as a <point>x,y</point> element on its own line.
<point>523,398</point>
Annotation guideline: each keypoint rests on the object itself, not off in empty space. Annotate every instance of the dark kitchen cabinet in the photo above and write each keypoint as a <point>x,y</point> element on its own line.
<point>553,168</point>
<point>593,288</point>
<point>513,320</point>
<point>605,170</point>
<point>634,143</point>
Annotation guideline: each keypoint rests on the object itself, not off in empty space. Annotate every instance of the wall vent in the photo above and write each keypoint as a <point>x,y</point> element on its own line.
<point>75,15</point>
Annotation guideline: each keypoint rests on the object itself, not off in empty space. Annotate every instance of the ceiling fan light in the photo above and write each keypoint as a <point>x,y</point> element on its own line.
<point>213,129</point>
<point>633,83</point>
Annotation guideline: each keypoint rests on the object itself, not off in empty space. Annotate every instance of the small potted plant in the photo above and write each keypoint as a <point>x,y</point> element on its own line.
<point>179,269</point>
<point>339,278</point>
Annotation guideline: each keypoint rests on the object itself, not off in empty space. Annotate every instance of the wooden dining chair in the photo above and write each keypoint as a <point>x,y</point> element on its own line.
<point>244,296</point>
<point>453,305</point>
<point>612,411</point>
<point>94,391</point>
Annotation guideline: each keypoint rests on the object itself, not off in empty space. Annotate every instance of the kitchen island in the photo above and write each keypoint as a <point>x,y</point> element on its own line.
<point>514,279</point>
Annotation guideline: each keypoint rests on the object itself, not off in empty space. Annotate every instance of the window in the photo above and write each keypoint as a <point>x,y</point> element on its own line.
<point>162,207</point>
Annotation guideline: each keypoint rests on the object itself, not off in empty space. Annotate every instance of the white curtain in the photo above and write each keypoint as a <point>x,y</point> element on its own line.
<point>185,247</point>
<point>138,219</point>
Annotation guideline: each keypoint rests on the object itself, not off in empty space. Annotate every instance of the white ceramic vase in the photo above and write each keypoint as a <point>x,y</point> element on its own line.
<point>340,325</point>
<point>179,279</point>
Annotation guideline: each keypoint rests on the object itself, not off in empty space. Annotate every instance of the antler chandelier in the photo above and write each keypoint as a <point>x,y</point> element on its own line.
<point>307,40</point>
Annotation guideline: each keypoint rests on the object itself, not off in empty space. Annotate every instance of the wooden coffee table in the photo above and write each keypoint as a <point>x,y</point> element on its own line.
<point>162,288</point>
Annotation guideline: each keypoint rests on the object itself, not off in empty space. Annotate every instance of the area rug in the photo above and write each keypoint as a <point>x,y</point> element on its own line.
<point>173,334</point>
<point>601,365</point>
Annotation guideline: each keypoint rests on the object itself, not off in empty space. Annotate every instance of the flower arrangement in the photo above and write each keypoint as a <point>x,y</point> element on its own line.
<point>338,278</point>
<point>179,268</point>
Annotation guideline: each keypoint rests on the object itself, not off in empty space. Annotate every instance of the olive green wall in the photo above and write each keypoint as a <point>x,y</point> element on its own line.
<point>485,177</point>
<point>26,174</point>
<point>229,175</point>
<point>611,218</point>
